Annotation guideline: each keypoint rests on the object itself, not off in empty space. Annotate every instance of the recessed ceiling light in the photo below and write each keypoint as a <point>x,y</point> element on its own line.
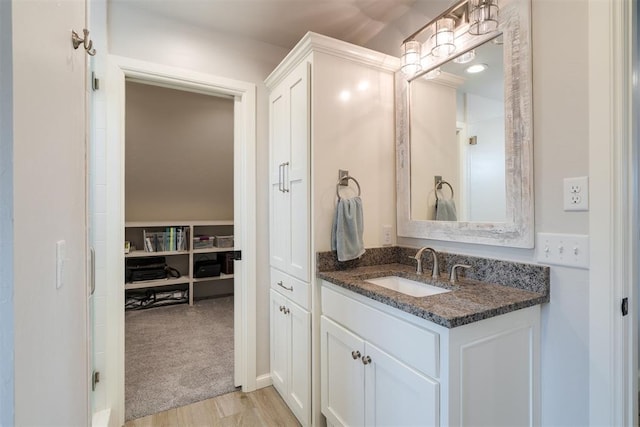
<point>477,68</point>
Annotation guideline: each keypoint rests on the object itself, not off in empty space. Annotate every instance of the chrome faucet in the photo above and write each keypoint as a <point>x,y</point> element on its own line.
<point>418,257</point>
<point>453,278</point>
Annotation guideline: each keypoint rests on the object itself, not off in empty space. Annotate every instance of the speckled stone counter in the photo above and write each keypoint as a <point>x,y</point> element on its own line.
<point>490,287</point>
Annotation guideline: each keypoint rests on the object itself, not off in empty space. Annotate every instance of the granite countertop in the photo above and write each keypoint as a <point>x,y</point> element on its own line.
<point>469,300</point>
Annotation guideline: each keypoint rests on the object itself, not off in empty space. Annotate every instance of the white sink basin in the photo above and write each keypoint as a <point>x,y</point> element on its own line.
<point>407,286</point>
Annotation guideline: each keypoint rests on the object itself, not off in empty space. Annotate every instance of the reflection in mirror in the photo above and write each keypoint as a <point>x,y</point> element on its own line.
<point>457,148</point>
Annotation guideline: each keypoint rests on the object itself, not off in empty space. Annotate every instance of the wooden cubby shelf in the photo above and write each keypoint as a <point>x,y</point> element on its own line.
<point>181,260</point>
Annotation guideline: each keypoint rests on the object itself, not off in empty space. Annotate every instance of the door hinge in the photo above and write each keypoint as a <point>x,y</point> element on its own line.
<point>95,82</point>
<point>95,379</point>
<point>625,306</point>
<point>237,255</point>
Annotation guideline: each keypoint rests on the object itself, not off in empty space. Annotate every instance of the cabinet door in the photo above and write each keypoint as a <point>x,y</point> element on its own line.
<point>300,362</point>
<point>280,348</point>
<point>342,375</point>
<point>289,173</point>
<point>297,171</point>
<point>279,144</point>
<point>395,394</point>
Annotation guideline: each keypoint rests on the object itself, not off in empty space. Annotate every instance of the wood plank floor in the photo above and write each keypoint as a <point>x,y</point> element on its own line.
<point>262,407</point>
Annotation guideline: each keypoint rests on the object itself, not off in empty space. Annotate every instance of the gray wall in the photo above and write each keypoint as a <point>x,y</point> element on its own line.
<point>178,155</point>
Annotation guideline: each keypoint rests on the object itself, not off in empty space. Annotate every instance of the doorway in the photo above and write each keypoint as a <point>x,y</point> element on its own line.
<point>120,70</point>
<point>179,286</point>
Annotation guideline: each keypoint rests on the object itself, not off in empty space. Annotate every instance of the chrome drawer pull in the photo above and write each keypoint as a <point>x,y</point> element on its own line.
<point>355,354</point>
<point>283,286</point>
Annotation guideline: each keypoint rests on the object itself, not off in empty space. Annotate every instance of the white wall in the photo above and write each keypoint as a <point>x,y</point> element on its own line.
<point>355,135</point>
<point>6,216</point>
<point>49,205</point>
<point>560,100</point>
<point>165,41</point>
<point>178,155</point>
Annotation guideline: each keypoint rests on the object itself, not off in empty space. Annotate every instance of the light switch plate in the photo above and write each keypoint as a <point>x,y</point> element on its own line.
<point>570,250</point>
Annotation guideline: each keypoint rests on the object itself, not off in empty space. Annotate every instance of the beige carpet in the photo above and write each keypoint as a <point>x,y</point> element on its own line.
<point>177,355</point>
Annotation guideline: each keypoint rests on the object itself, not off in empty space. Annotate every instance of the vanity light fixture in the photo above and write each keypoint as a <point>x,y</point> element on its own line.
<point>464,26</point>
<point>483,16</point>
<point>411,53</point>
<point>465,57</point>
<point>443,37</point>
<point>476,68</point>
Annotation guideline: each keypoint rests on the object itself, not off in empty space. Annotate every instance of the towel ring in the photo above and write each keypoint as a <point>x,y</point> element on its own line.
<point>345,181</point>
<point>439,185</point>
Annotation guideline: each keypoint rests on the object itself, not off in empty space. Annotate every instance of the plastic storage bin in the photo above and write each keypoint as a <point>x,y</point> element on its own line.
<point>224,241</point>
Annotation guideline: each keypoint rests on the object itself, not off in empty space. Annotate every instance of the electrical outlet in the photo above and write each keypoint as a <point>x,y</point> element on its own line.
<point>576,194</point>
<point>387,235</point>
<point>571,250</point>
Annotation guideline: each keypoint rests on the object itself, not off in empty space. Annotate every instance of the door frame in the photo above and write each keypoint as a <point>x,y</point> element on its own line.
<point>613,218</point>
<point>120,69</point>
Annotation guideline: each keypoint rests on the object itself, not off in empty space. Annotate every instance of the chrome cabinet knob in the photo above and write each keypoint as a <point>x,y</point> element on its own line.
<point>282,308</point>
<point>355,354</point>
<point>286,310</point>
<point>366,360</point>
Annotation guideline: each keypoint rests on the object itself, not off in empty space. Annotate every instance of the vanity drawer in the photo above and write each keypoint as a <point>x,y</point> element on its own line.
<point>294,289</point>
<point>415,346</point>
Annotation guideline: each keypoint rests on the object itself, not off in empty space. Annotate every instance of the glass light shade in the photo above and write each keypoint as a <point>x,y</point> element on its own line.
<point>465,57</point>
<point>411,51</point>
<point>483,16</point>
<point>443,38</point>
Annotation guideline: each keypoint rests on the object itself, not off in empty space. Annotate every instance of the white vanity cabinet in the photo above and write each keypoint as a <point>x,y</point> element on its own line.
<point>290,354</point>
<point>382,366</point>
<point>364,385</point>
<point>313,132</point>
<point>289,116</point>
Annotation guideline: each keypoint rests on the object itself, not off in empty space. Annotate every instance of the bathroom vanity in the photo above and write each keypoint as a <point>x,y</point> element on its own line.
<point>467,356</point>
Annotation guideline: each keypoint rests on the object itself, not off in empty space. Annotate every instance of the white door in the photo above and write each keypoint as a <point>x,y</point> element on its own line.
<point>49,215</point>
<point>396,395</point>
<point>280,339</point>
<point>300,362</point>
<point>342,375</point>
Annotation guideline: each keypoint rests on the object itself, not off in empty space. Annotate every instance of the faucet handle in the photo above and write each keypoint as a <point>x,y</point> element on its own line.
<point>453,278</point>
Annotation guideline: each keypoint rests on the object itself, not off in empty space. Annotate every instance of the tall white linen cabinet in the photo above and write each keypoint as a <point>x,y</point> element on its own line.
<point>331,107</point>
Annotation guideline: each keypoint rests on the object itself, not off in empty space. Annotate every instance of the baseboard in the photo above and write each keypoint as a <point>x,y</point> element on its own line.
<point>263,381</point>
<point>102,419</point>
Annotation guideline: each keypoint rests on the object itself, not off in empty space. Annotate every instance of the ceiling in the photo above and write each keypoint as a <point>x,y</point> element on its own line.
<point>380,24</point>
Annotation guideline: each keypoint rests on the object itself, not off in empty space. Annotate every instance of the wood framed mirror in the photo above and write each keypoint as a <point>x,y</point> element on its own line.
<point>464,154</point>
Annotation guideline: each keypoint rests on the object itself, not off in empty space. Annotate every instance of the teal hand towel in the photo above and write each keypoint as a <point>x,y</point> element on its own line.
<point>348,228</point>
<point>446,211</point>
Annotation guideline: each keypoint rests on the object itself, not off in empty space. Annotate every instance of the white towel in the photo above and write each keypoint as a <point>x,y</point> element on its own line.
<point>446,210</point>
<point>348,227</point>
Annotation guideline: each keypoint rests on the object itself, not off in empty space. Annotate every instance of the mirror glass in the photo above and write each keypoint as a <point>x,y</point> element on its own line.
<point>457,149</point>
<point>471,131</point>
